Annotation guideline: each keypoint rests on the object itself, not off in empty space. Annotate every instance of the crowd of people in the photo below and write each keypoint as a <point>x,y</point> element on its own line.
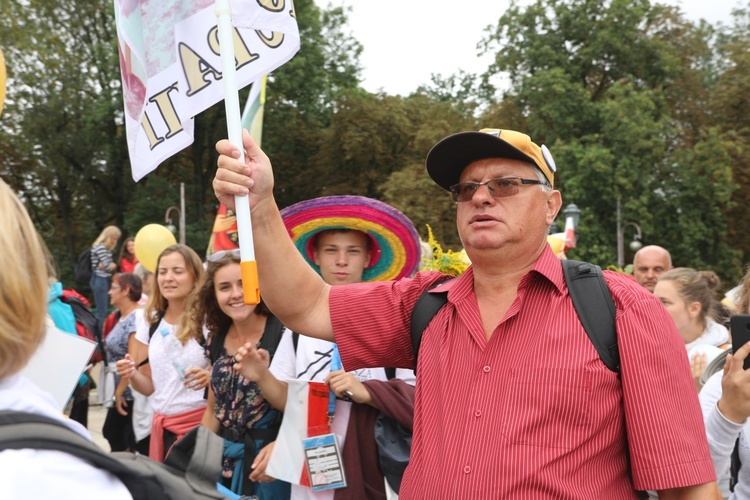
<point>339,281</point>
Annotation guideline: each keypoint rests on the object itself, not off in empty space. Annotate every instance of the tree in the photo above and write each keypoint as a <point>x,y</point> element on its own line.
<point>616,89</point>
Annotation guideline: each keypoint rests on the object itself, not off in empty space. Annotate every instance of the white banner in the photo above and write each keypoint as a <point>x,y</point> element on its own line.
<point>171,65</point>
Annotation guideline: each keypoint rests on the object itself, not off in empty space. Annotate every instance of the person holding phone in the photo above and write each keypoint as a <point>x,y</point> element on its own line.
<point>725,401</point>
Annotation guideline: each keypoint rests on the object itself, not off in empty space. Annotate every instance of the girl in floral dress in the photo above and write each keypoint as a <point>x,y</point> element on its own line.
<point>236,410</point>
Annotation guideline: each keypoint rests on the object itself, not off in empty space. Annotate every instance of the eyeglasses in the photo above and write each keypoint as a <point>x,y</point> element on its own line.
<point>217,256</point>
<point>115,287</point>
<point>499,188</point>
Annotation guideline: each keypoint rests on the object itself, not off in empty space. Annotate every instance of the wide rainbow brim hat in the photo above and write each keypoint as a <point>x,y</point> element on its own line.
<point>394,240</point>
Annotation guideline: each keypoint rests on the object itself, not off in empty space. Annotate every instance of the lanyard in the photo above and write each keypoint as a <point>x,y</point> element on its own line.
<point>335,365</point>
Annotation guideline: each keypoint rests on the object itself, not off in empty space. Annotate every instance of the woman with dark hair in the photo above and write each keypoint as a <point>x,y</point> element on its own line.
<point>127,258</point>
<point>170,365</point>
<point>236,409</point>
<point>124,294</point>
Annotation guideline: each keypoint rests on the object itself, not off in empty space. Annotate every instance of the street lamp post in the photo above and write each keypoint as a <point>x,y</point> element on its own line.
<point>573,211</point>
<point>180,215</point>
<point>635,245</point>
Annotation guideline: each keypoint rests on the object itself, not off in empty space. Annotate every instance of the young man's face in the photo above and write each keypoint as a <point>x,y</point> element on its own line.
<point>342,256</point>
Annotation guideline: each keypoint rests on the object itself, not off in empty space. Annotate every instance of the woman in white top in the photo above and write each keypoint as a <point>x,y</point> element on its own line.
<point>688,296</point>
<point>725,401</point>
<point>23,306</point>
<point>170,365</point>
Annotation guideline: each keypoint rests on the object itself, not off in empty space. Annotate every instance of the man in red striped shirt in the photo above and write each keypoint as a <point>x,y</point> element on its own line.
<point>513,400</point>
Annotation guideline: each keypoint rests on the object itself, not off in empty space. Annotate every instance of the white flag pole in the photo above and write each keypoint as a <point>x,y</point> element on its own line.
<point>234,130</point>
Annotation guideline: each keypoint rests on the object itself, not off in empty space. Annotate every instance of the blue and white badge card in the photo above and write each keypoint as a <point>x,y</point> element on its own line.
<point>324,465</point>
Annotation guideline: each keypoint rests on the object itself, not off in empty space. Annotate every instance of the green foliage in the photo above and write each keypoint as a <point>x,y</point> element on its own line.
<point>619,90</point>
<point>634,102</point>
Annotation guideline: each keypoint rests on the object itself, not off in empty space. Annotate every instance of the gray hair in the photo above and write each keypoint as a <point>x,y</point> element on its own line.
<point>141,271</point>
<point>545,187</point>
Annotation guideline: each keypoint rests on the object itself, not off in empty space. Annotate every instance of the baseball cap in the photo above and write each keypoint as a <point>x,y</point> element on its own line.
<point>447,159</point>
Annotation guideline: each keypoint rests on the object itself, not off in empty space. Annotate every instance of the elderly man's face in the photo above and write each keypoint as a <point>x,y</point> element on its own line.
<point>520,220</point>
<point>649,265</point>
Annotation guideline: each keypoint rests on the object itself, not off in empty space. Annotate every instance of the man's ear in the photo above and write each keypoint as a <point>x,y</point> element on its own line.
<point>369,259</point>
<point>554,203</point>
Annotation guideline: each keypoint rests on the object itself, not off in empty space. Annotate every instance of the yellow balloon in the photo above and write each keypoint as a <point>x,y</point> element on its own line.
<point>150,241</point>
<point>556,243</point>
<point>2,81</point>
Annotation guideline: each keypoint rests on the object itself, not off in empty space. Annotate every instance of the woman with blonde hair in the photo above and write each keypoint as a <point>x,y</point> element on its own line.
<point>23,311</point>
<point>169,365</point>
<point>102,267</point>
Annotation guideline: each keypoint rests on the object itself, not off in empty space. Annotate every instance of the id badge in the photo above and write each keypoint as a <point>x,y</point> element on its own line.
<point>323,459</point>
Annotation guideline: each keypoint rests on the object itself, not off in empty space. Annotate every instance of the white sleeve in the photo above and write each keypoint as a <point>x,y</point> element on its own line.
<point>141,332</point>
<point>406,375</point>
<point>721,433</point>
<point>284,364</point>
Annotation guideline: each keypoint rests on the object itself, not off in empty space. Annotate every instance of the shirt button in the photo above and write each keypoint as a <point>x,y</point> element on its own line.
<point>467,469</point>
<point>486,369</point>
<point>477,413</point>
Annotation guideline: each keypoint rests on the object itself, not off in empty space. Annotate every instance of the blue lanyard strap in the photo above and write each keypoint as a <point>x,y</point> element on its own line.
<point>335,365</point>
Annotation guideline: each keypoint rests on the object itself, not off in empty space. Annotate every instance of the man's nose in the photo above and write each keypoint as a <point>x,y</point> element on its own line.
<point>483,194</point>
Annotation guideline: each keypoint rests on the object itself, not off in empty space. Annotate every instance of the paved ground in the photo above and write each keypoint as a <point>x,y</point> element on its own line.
<point>97,414</point>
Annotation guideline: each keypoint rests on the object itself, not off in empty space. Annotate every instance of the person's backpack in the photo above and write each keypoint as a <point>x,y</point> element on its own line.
<point>189,473</point>
<point>394,445</point>
<point>269,341</point>
<point>82,269</point>
<point>588,291</point>
<point>87,326</point>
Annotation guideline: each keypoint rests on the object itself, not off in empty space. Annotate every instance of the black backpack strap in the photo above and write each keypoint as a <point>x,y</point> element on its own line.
<point>295,341</point>
<point>426,307</point>
<point>151,330</point>
<point>217,343</point>
<point>596,310</point>
<point>272,336</point>
<point>734,465</point>
<point>19,430</point>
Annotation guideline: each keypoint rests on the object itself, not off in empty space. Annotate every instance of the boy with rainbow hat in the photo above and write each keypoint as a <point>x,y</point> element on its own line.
<point>346,239</point>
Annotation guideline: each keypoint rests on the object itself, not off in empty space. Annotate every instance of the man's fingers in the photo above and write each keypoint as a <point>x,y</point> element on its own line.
<point>224,147</point>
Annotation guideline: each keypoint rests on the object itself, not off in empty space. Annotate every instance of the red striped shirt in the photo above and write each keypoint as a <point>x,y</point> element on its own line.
<point>533,412</point>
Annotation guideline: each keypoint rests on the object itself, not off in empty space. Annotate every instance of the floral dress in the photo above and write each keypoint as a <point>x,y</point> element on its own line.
<point>239,405</point>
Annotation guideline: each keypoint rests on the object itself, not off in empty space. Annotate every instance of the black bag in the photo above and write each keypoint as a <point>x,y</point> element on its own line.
<point>394,448</point>
<point>83,267</point>
<point>190,472</point>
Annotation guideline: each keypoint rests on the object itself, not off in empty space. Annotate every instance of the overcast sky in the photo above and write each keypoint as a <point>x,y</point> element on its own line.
<point>405,41</point>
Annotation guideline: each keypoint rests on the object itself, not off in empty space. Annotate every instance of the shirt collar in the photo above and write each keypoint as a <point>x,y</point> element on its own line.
<point>547,266</point>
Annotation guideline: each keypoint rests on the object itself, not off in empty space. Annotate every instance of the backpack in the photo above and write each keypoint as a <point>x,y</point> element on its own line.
<point>394,445</point>
<point>588,291</point>
<point>272,334</point>
<point>190,472</point>
<point>87,325</point>
<point>82,270</point>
